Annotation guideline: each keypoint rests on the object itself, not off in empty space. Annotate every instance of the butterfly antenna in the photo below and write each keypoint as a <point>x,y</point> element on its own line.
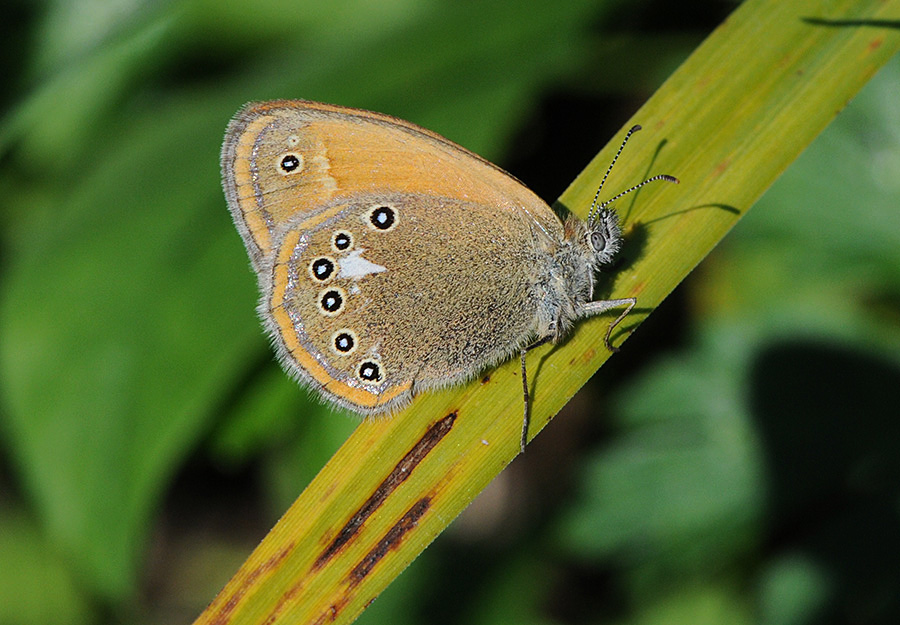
<point>595,208</point>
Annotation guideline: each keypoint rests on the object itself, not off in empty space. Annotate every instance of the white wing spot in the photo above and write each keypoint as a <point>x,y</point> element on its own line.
<point>355,266</point>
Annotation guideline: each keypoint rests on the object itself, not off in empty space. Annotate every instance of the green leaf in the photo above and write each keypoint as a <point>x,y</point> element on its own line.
<point>728,122</point>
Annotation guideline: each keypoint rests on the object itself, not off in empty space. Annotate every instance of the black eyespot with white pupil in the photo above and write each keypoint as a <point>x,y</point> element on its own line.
<point>331,301</point>
<point>322,269</point>
<point>290,163</point>
<point>369,371</point>
<point>344,342</point>
<point>342,241</point>
<point>382,217</point>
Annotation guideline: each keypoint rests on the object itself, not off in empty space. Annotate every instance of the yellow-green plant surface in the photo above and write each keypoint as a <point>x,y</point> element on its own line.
<point>727,123</point>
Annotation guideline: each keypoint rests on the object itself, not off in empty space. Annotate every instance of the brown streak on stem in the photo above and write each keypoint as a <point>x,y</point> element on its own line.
<point>397,476</point>
<point>391,540</point>
<point>223,614</point>
<point>330,616</point>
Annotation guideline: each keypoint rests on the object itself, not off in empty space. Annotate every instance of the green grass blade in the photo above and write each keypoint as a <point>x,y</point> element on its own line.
<point>727,123</point>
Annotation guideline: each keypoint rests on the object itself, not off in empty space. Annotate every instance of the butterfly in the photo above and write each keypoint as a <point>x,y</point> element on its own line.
<point>391,260</point>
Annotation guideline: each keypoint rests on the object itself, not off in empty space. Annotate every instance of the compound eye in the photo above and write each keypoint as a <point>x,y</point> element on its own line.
<point>598,241</point>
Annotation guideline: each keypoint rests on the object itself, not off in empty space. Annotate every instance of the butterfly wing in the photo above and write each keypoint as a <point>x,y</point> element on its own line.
<point>290,157</point>
<point>390,259</point>
<point>394,293</point>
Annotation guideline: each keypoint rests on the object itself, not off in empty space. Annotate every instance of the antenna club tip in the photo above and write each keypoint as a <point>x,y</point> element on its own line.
<point>635,128</point>
<point>671,178</point>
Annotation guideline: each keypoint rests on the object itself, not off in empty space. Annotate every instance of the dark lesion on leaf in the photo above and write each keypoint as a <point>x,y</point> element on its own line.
<point>391,540</point>
<point>397,476</point>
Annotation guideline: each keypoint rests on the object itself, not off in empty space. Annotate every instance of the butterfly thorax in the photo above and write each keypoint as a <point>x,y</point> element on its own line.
<point>569,283</point>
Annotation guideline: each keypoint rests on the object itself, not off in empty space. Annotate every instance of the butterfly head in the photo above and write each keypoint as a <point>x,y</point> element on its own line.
<point>603,236</point>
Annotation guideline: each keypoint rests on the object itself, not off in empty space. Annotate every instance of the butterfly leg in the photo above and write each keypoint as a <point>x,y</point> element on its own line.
<point>595,308</point>
<point>526,420</point>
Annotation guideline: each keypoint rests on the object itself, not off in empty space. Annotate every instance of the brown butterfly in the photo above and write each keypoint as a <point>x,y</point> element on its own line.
<point>392,261</point>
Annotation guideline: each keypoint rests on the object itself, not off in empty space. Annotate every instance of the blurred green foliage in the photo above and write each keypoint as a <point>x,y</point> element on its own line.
<point>736,463</point>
